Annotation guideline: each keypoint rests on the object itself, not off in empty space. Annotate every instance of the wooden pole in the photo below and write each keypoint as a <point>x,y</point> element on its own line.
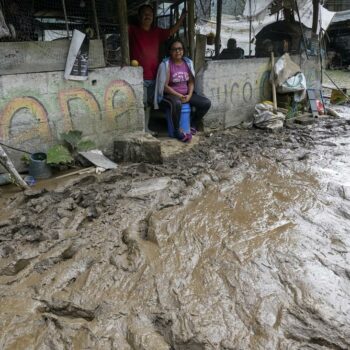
<point>218,27</point>
<point>250,28</point>
<point>191,31</point>
<point>274,97</point>
<point>315,10</point>
<point>65,17</point>
<point>124,37</point>
<point>93,2</point>
<point>301,28</point>
<point>5,161</point>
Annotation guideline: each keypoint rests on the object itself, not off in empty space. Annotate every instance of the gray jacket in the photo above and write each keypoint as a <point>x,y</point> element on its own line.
<point>161,78</point>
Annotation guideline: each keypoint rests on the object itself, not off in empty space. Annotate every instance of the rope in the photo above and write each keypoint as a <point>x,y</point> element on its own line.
<point>14,148</point>
<point>347,97</point>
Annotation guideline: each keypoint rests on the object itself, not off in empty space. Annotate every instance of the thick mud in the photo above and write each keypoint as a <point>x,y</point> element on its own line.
<point>242,243</point>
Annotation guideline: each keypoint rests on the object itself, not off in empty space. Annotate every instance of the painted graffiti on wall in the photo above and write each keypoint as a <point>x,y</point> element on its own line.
<point>117,98</point>
<point>66,97</point>
<point>240,92</point>
<point>232,92</point>
<point>36,110</point>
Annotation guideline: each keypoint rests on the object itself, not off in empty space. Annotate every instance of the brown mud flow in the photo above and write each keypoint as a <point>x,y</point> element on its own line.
<point>242,243</point>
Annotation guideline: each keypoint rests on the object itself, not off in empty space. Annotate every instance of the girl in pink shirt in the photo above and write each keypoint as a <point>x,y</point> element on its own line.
<point>179,88</point>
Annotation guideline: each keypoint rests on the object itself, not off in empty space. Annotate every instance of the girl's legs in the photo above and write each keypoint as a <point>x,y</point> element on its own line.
<point>174,104</point>
<point>202,105</point>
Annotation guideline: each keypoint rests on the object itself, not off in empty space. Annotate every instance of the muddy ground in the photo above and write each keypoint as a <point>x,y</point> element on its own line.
<point>241,243</point>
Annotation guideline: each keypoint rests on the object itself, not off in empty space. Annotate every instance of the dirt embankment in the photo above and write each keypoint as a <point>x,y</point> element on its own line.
<point>242,243</point>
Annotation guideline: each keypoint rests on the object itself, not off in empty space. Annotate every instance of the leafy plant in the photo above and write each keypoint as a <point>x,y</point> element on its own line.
<point>25,159</point>
<point>74,140</point>
<point>59,154</point>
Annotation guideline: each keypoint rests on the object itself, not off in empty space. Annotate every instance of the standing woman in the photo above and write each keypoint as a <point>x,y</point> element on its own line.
<point>175,86</point>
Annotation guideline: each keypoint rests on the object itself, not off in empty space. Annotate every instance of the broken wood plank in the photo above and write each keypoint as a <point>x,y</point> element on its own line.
<point>6,162</point>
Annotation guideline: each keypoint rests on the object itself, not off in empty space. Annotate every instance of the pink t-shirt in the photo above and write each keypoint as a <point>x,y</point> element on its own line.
<point>179,77</point>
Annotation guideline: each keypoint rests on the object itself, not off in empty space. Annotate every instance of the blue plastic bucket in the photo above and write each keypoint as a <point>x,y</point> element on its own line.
<point>38,168</point>
<point>185,120</point>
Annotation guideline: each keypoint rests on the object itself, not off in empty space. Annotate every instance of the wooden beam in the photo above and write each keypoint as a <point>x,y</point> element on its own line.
<point>124,37</point>
<point>93,3</point>
<point>218,27</point>
<point>199,57</point>
<point>315,10</point>
<point>5,161</point>
<point>65,17</point>
<point>191,31</point>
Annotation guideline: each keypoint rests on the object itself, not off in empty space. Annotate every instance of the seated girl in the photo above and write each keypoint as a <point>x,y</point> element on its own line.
<point>175,86</point>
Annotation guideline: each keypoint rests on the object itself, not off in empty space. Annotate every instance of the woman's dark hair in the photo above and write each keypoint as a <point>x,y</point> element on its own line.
<point>173,41</point>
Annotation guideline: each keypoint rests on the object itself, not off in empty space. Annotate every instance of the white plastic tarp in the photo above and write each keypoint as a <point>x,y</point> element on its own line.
<point>259,10</point>
<point>238,28</point>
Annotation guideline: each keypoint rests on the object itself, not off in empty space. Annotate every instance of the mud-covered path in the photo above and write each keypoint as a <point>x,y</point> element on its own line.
<point>243,243</point>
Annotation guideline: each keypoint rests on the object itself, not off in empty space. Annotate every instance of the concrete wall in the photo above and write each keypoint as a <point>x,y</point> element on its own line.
<point>236,86</point>
<point>36,108</point>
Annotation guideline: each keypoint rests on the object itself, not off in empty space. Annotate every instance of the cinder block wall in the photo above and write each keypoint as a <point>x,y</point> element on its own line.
<point>236,86</point>
<point>36,108</point>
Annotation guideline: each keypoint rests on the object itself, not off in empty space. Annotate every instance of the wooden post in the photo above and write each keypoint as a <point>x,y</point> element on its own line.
<point>274,97</point>
<point>93,3</point>
<point>65,17</point>
<point>199,56</point>
<point>218,27</point>
<point>191,27</point>
<point>124,37</point>
<point>250,28</point>
<point>5,161</point>
<point>315,10</point>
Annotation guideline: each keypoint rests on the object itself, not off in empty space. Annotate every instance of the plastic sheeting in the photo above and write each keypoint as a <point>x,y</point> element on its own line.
<point>265,118</point>
<point>288,78</point>
<point>238,28</point>
<point>285,68</point>
<point>259,10</point>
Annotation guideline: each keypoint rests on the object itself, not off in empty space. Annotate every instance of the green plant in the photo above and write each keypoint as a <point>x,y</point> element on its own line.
<point>25,159</point>
<point>74,140</point>
<point>60,154</point>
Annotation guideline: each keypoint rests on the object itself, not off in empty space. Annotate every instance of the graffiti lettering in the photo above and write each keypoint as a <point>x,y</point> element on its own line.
<point>85,96</point>
<point>118,98</point>
<point>247,87</point>
<point>38,114</point>
<point>232,92</point>
<point>233,87</point>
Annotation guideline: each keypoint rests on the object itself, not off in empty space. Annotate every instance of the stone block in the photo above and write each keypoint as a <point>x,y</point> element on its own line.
<point>305,119</point>
<point>137,147</point>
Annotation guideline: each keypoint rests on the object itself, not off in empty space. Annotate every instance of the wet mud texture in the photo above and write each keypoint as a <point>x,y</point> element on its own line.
<point>242,243</point>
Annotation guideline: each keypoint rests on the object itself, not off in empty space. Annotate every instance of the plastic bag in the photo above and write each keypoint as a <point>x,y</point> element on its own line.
<point>264,117</point>
<point>284,68</point>
<point>295,83</point>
